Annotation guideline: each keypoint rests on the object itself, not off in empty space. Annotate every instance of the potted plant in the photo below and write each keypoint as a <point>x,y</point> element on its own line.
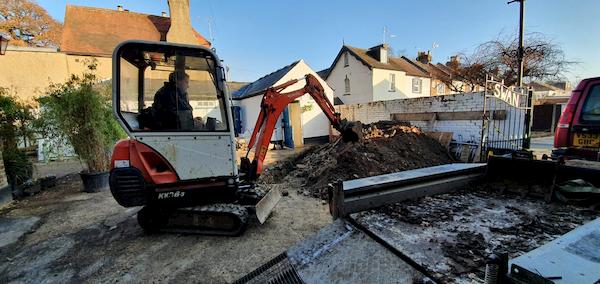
<point>80,110</point>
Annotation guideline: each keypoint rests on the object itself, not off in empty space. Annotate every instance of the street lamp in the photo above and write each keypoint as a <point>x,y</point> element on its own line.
<point>3,44</point>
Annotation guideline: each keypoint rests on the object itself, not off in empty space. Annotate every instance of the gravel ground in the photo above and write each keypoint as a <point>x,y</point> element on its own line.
<point>68,236</point>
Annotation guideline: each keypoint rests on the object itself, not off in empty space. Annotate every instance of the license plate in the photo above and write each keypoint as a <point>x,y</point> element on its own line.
<point>586,140</point>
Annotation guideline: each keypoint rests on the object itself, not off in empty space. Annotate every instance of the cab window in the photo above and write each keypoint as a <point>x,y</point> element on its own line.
<point>170,91</point>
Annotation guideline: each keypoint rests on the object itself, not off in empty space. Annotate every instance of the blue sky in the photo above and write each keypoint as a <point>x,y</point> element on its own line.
<point>257,37</point>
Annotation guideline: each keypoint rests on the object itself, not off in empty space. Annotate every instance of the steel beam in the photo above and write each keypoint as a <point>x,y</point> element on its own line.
<point>372,192</point>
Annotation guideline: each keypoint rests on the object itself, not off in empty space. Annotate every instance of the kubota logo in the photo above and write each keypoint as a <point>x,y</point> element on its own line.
<point>171,194</point>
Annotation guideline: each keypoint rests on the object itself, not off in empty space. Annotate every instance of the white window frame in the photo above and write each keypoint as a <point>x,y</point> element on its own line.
<point>417,84</point>
<point>441,86</point>
<point>347,86</point>
<point>392,82</point>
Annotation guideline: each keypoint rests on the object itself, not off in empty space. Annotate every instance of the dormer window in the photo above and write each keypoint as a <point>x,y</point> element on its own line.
<point>345,59</point>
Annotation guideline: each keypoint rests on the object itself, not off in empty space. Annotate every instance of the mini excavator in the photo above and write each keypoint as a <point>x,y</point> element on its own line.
<point>179,161</point>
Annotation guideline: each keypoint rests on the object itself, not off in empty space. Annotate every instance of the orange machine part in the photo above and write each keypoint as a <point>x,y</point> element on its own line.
<point>154,168</point>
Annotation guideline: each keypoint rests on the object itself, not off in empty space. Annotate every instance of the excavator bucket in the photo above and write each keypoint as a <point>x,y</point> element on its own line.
<point>351,131</point>
<point>267,204</point>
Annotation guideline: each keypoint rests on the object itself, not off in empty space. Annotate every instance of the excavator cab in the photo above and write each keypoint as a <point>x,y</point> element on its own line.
<point>180,160</point>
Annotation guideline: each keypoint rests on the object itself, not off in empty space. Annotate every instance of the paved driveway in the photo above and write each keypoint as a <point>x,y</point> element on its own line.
<point>542,145</point>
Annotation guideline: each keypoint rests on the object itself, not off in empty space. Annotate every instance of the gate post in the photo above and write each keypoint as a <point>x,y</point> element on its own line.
<point>528,118</point>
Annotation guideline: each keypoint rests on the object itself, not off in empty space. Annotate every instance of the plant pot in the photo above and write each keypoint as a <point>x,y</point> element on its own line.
<point>94,182</point>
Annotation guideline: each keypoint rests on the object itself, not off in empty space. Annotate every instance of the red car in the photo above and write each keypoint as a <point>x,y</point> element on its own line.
<point>578,130</point>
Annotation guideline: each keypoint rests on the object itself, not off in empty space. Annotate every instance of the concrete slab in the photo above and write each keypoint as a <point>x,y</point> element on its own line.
<point>12,229</point>
<point>574,257</point>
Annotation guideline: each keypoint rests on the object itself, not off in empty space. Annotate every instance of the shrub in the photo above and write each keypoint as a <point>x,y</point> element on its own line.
<point>15,119</point>
<point>80,109</point>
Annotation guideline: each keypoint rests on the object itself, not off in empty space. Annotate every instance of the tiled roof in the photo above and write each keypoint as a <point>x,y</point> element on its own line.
<point>97,31</point>
<point>337,101</point>
<point>394,63</point>
<point>435,71</point>
<point>323,73</point>
<point>257,87</point>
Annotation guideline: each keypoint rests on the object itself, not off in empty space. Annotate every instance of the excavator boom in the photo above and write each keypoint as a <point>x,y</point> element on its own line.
<point>273,104</point>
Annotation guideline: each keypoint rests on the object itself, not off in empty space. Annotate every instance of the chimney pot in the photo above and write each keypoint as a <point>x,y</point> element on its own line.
<point>120,8</point>
<point>424,57</point>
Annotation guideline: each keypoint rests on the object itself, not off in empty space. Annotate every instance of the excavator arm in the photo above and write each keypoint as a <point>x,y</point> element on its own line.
<point>273,104</point>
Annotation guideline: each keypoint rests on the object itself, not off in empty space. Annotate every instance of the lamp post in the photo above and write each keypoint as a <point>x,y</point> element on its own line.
<point>3,44</point>
<point>520,50</point>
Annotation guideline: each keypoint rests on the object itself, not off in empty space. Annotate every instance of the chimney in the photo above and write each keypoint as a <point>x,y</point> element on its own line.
<point>120,8</point>
<point>164,14</point>
<point>181,27</point>
<point>454,61</point>
<point>379,52</point>
<point>424,57</point>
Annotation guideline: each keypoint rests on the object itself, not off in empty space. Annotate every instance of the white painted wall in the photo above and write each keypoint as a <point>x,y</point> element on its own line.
<point>361,87</point>
<point>314,122</point>
<point>250,110</point>
<point>381,86</point>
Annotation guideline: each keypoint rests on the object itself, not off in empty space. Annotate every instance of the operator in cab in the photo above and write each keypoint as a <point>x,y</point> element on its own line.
<point>173,109</point>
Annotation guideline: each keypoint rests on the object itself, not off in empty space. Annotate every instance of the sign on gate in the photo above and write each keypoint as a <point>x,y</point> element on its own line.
<point>509,95</point>
<point>511,133</point>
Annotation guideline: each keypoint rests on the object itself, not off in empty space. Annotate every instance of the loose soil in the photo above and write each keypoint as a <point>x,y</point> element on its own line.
<point>452,235</point>
<point>63,235</point>
<point>387,147</point>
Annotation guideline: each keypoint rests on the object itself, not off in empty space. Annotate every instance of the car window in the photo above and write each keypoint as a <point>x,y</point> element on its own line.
<point>591,107</point>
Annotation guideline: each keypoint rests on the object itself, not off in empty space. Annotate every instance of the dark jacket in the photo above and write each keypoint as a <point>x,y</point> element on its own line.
<point>173,110</point>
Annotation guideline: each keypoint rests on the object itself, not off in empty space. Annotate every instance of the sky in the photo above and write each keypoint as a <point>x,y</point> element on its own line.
<point>254,38</point>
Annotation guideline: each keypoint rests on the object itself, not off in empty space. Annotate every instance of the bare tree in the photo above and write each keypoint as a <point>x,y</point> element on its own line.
<point>29,24</point>
<point>543,60</point>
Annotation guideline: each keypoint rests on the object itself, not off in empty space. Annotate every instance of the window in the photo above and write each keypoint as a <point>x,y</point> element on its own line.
<point>416,85</point>
<point>441,89</point>
<point>345,59</point>
<point>591,108</point>
<point>170,92</point>
<point>392,82</point>
<point>346,86</point>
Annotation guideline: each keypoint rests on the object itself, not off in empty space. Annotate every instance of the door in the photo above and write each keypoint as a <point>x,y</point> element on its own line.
<point>296,122</point>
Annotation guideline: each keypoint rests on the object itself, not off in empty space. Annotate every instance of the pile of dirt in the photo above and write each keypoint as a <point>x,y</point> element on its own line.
<point>387,147</point>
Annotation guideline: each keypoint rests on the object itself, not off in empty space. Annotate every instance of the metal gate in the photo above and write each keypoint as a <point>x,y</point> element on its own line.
<point>506,119</point>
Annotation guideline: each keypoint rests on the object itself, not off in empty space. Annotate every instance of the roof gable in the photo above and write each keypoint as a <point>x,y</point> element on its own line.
<point>259,86</point>
<point>97,31</point>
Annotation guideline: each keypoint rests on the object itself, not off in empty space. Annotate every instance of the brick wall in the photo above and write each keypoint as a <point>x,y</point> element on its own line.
<point>463,130</point>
